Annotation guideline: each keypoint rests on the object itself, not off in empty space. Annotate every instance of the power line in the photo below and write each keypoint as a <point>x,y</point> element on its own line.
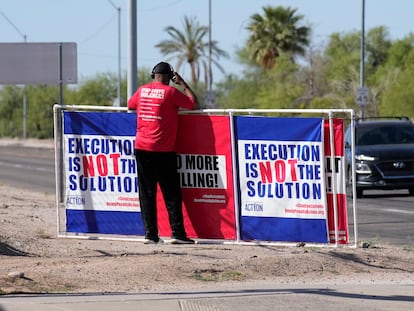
<point>14,26</point>
<point>94,34</point>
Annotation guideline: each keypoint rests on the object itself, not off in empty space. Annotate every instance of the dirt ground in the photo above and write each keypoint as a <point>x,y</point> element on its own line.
<point>34,260</point>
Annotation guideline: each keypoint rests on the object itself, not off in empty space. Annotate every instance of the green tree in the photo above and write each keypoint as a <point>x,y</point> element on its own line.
<point>240,93</point>
<point>275,33</point>
<point>192,46</point>
<point>281,86</point>
<point>343,54</point>
<point>398,53</point>
<point>40,101</point>
<point>313,76</point>
<point>39,110</point>
<point>343,68</point>
<point>11,111</point>
<point>397,96</point>
<point>99,91</point>
<point>378,44</point>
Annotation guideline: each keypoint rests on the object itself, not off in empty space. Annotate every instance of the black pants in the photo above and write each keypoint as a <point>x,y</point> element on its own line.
<point>153,168</point>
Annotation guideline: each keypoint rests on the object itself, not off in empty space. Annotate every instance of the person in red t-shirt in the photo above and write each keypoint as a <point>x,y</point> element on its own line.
<point>157,105</point>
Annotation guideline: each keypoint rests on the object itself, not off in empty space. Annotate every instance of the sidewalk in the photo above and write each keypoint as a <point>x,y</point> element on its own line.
<point>264,297</point>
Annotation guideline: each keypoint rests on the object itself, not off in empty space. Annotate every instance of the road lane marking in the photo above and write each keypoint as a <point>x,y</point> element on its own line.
<point>42,169</point>
<point>393,210</point>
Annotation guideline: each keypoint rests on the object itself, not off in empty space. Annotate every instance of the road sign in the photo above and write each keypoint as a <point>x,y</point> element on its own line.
<point>210,99</point>
<point>362,96</point>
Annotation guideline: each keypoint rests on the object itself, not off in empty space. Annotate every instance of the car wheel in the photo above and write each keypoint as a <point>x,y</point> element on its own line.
<point>359,193</point>
<point>411,190</point>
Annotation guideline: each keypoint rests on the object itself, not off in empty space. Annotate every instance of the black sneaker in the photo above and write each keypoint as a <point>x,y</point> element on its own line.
<point>153,241</point>
<point>182,240</point>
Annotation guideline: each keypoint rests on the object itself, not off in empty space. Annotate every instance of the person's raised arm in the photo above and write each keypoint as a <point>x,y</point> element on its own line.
<point>186,89</point>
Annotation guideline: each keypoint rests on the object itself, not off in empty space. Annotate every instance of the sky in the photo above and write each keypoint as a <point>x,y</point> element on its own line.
<point>93,25</point>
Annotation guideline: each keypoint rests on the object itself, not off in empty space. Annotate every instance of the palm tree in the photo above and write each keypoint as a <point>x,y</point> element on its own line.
<point>189,46</point>
<point>275,33</point>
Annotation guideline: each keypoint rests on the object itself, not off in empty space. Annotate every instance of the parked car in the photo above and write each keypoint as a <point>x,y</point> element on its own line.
<point>384,154</point>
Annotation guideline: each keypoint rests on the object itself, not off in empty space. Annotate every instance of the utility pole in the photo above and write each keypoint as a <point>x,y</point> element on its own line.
<point>210,97</point>
<point>210,83</point>
<point>362,61</point>
<point>362,92</point>
<point>132,47</point>
<point>118,103</point>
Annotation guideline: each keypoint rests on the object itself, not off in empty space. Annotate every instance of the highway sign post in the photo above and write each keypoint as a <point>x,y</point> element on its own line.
<point>362,96</point>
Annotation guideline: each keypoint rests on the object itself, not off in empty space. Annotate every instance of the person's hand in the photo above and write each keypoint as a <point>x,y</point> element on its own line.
<point>178,79</point>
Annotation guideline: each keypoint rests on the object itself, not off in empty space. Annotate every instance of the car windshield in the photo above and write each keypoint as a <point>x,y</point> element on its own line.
<point>384,135</point>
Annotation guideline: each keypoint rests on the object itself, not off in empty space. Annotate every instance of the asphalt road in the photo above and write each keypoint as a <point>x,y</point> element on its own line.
<point>28,168</point>
<point>382,217</point>
<point>385,216</point>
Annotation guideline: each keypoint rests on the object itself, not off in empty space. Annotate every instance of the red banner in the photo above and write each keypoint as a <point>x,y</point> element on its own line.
<point>206,175</point>
<point>336,170</point>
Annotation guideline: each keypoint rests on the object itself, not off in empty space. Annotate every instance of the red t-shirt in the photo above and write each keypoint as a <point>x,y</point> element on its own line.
<point>157,108</point>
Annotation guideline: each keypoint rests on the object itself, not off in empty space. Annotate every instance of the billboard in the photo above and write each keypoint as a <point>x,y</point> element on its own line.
<point>38,63</point>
